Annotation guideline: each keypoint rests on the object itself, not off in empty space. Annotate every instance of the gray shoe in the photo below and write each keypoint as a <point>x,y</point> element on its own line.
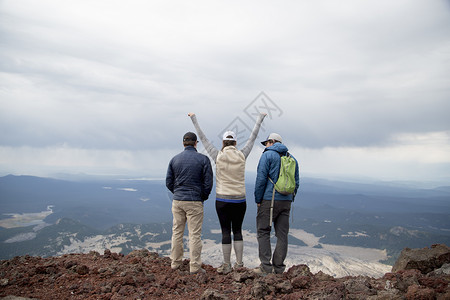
<point>199,271</point>
<point>225,268</point>
<point>237,266</point>
<point>261,271</point>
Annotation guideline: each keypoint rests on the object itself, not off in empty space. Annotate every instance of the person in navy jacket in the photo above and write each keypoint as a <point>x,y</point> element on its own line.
<point>190,178</point>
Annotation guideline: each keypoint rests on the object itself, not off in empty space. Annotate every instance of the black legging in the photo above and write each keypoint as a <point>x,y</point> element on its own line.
<point>231,216</point>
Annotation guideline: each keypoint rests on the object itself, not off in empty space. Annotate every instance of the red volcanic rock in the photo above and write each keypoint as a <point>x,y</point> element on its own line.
<point>146,275</point>
<point>424,260</point>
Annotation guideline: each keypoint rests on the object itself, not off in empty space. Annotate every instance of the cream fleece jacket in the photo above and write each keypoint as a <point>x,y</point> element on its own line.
<point>230,163</point>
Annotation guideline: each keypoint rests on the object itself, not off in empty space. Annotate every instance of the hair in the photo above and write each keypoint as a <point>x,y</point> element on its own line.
<point>227,143</point>
<point>189,143</point>
<point>272,141</point>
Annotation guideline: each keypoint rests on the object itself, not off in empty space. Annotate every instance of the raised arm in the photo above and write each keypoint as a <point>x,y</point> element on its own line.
<point>212,151</point>
<point>251,140</point>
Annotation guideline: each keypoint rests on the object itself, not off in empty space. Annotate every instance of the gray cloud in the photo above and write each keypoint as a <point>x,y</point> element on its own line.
<point>112,76</point>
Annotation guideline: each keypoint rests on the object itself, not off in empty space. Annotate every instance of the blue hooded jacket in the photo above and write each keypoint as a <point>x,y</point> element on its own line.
<point>269,165</point>
<point>189,176</point>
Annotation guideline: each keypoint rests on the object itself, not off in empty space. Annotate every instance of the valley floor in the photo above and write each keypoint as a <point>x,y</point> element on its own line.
<point>338,261</point>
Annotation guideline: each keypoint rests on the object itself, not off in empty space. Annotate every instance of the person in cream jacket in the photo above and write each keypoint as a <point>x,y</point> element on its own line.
<point>230,188</point>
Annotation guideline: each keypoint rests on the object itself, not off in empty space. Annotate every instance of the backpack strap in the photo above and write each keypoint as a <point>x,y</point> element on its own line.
<point>280,166</point>
<point>272,203</point>
<point>271,206</point>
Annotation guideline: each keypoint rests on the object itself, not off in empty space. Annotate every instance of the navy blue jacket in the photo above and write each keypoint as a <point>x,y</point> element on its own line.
<point>269,165</point>
<point>189,176</point>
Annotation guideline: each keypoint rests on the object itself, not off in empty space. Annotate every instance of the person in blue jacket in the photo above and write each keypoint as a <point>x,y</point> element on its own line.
<point>269,166</point>
<point>190,178</point>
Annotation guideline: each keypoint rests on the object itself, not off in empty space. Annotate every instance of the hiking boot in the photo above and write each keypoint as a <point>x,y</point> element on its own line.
<point>199,271</point>
<point>237,266</point>
<point>225,268</point>
<point>261,271</point>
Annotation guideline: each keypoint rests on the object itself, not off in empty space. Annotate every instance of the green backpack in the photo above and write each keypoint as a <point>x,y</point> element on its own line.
<point>285,184</point>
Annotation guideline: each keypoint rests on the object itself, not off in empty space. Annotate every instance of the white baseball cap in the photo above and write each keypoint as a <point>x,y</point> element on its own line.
<point>229,133</point>
<point>274,137</point>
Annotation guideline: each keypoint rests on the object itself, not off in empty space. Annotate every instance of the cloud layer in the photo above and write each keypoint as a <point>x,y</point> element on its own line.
<point>81,78</point>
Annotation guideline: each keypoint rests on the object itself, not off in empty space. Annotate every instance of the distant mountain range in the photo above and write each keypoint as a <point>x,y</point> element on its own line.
<point>46,217</point>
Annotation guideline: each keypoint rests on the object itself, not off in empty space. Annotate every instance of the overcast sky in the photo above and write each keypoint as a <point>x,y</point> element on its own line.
<point>355,88</point>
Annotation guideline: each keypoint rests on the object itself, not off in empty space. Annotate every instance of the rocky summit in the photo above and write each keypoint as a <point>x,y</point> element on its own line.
<point>419,274</point>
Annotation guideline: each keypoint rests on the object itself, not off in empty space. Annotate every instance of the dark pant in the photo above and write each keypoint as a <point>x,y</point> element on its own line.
<point>231,216</point>
<point>281,212</point>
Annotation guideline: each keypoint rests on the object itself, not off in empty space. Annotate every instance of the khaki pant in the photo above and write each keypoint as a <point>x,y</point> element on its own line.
<point>192,213</point>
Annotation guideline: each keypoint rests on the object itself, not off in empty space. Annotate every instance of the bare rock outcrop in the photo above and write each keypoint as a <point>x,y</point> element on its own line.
<point>424,260</point>
<point>146,275</point>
